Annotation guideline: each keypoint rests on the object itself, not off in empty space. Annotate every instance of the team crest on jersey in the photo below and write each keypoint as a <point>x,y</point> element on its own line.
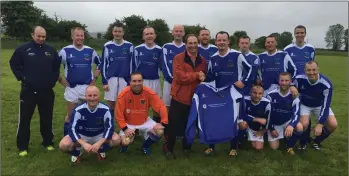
<point>124,50</point>
<point>155,56</point>
<point>111,59</point>
<point>128,111</point>
<point>306,55</point>
<point>277,61</point>
<point>86,56</point>
<point>204,106</point>
<point>142,101</point>
<point>230,64</point>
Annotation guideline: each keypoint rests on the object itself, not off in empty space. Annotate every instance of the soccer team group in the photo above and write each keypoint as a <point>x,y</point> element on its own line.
<point>236,96</point>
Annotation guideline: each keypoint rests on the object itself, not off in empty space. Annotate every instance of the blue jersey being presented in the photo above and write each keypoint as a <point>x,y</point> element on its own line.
<point>216,111</point>
<point>318,94</point>
<point>284,108</point>
<point>253,60</point>
<point>300,55</point>
<point>91,123</point>
<point>208,52</point>
<point>259,110</point>
<point>116,60</point>
<point>147,61</point>
<point>272,65</point>
<point>169,51</point>
<point>226,70</point>
<point>78,64</point>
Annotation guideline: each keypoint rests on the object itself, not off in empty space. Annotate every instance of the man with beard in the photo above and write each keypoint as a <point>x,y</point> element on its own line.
<point>132,114</point>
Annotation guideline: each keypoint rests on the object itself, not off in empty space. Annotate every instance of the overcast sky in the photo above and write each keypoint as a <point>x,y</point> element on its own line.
<point>256,18</point>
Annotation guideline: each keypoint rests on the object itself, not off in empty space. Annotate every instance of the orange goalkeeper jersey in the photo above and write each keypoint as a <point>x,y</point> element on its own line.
<point>133,109</point>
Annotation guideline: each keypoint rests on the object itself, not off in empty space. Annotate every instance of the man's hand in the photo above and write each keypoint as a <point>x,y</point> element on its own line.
<point>274,134</point>
<point>202,76</point>
<point>158,126</point>
<point>129,132</point>
<point>289,131</point>
<point>106,88</point>
<point>64,82</point>
<point>87,147</point>
<point>261,121</point>
<point>294,91</point>
<point>239,84</point>
<point>95,147</point>
<point>318,129</point>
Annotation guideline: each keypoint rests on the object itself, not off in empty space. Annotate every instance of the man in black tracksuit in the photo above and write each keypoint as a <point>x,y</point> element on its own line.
<point>37,66</point>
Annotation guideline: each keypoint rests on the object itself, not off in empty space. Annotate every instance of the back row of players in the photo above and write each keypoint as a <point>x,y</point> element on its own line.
<point>225,66</point>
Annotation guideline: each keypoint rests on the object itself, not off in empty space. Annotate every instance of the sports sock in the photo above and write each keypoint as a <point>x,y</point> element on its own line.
<point>76,151</point>
<point>325,133</point>
<point>105,147</point>
<point>293,139</point>
<point>305,135</point>
<point>233,144</point>
<point>241,135</point>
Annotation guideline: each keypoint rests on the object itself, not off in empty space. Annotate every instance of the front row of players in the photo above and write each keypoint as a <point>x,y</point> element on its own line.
<point>280,115</point>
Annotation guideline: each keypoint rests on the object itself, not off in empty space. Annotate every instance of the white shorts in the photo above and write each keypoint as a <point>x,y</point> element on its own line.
<point>252,136</point>
<point>153,85</point>
<point>280,129</point>
<point>143,129</point>
<point>305,110</point>
<point>116,85</point>
<point>166,97</point>
<point>93,139</point>
<point>271,88</point>
<point>74,94</point>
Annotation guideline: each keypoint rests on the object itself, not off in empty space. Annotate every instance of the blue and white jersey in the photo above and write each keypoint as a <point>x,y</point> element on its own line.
<point>284,108</point>
<point>116,60</point>
<point>207,52</point>
<point>318,94</point>
<point>87,122</point>
<point>169,51</point>
<point>272,65</point>
<point>226,70</point>
<point>253,60</point>
<point>259,110</point>
<point>147,61</point>
<point>78,64</point>
<point>216,110</point>
<point>300,55</point>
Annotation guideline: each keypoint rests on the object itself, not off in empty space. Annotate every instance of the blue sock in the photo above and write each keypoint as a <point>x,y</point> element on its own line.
<point>151,140</point>
<point>305,135</point>
<point>66,128</point>
<point>234,144</point>
<point>241,135</point>
<point>212,146</point>
<point>105,147</point>
<point>325,133</point>
<point>76,151</point>
<point>293,139</point>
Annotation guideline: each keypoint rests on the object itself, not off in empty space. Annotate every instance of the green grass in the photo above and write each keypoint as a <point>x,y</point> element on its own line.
<point>331,160</point>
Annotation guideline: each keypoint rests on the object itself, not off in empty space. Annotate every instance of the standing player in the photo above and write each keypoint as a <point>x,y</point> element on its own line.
<point>252,59</point>
<point>77,60</point>
<point>272,63</point>
<point>316,96</point>
<point>116,65</point>
<point>301,53</point>
<point>284,116</point>
<point>226,67</point>
<point>169,51</point>
<point>206,49</point>
<point>146,60</point>
<point>257,116</point>
<point>132,114</point>
<point>91,127</point>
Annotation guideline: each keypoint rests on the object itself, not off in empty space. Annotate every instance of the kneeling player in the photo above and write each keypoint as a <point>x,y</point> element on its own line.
<point>132,114</point>
<point>257,116</point>
<point>91,127</point>
<point>284,116</point>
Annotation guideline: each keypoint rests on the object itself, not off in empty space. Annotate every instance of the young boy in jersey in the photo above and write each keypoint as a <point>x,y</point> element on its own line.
<point>91,128</point>
<point>77,60</point>
<point>284,116</point>
<point>256,117</point>
<point>132,114</point>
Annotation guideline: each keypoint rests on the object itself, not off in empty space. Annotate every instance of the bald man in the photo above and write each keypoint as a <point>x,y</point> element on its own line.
<point>91,127</point>
<point>36,65</point>
<point>169,51</point>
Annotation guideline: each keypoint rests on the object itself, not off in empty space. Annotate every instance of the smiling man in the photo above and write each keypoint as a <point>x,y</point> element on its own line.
<point>77,60</point>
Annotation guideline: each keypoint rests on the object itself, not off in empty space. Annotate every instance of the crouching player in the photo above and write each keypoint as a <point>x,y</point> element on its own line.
<point>132,114</point>
<point>91,127</point>
<point>284,116</point>
<point>257,116</point>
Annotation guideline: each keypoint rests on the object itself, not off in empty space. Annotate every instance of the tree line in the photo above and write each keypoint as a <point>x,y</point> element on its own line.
<point>18,18</point>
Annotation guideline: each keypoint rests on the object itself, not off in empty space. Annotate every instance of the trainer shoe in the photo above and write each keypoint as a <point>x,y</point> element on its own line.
<point>209,151</point>
<point>302,147</point>
<point>123,149</point>
<point>146,151</point>
<point>101,156</point>
<point>23,153</point>
<point>290,151</point>
<point>233,152</point>
<point>75,159</point>
<point>315,146</point>
<point>50,148</point>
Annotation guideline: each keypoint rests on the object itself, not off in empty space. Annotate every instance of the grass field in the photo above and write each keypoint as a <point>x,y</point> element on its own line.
<point>331,160</point>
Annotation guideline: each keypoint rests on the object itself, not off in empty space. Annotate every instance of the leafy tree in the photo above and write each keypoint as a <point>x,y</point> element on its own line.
<point>346,39</point>
<point>260,42</point>
<point>238,34</point>
<point>162,31</point>
<point>134,26</point>
<point>285,39</point>
<point>334,37</point>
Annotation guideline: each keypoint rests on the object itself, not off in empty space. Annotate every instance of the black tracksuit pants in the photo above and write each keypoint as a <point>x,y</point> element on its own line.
<point>29,99</point>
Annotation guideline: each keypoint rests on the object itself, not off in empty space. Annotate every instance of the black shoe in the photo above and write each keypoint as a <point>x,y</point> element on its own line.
<point>170,155</point>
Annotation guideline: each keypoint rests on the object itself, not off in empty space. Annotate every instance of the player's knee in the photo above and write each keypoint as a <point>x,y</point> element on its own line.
<point>259,147</point>
<point>65,145</point>
<point>243,125</point>
<point>274,145</point>
<point>299,127</point>
<point>116,140</point>
<point>125,141</point>
<point>331,123</point>
<point>304,121</point>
